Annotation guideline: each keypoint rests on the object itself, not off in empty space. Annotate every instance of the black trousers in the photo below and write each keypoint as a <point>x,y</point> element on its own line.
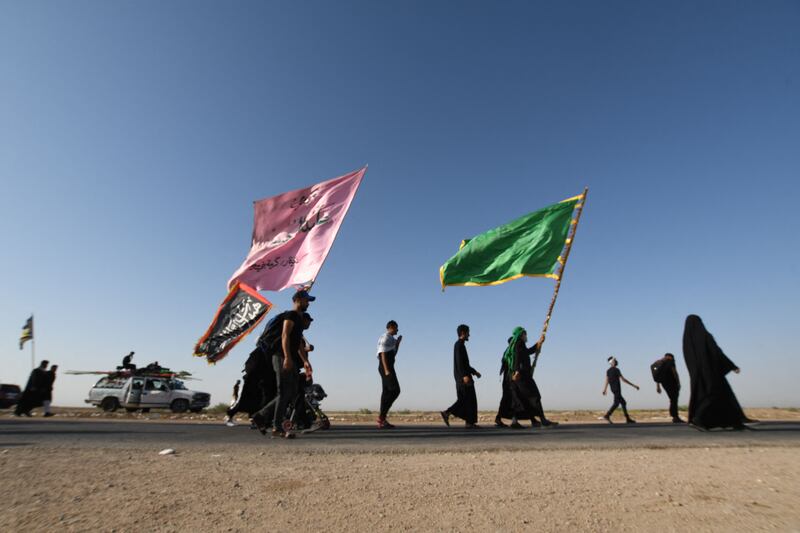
<point>466,406</point>
<point>287,393</point>
<point>390,388</point>
<point>672,392</point>
<point>618,401</point>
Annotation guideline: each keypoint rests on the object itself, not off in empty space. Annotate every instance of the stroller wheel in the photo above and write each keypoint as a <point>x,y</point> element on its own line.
<point>287,426</point>
<point>325,424</point>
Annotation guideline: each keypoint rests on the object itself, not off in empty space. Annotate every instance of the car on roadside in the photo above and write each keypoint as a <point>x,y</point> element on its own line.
<point>9,395</point>
<point>142,392</point>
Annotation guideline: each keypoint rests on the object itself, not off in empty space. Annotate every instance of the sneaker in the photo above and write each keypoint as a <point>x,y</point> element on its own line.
<point>445,418</point>
<point>535,423</point>
<point>630,421</point>
<point>678,420</point>
<point>549,423</point>
<point>384,424</point>
<point>515,425</point>
<point>499,423</point>
<point>278,434</point>
<point>48,414</point>
<point>230,423</point>
<point>606,418</point>
<point>472,426</point>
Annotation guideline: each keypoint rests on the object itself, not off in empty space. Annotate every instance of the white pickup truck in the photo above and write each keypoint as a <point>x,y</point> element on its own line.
<point>145,393</point>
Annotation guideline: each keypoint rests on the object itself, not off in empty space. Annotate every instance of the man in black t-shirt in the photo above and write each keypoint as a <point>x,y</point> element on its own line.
<point>287,359</point>
<point>666,375</point>
<point>613,378</point>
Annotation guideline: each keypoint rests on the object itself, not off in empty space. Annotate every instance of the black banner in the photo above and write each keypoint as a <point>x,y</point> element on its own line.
<point>239,313</point>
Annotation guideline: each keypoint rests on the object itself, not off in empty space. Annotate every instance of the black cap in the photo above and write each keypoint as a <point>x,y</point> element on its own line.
<point>303,294</point>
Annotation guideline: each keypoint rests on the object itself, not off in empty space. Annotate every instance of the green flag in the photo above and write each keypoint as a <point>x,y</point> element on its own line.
<point>529,246</point>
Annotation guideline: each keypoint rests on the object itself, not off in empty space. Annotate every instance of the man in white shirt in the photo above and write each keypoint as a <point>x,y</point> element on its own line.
<point>388,345</point>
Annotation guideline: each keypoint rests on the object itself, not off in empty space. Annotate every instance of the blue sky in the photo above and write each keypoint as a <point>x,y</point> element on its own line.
<point>135,135</point>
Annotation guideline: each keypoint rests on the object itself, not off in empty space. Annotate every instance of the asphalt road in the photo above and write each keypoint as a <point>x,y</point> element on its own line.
<point>362,438</point>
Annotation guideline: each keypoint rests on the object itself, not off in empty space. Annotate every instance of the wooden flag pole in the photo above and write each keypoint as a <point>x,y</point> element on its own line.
<point>570,239</point>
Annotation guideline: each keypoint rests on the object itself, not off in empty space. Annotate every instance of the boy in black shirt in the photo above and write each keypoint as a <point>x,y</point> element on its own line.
<point>613,378</point>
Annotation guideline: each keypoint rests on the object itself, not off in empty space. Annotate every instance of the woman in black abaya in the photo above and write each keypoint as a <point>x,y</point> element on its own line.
<point>712,403</point>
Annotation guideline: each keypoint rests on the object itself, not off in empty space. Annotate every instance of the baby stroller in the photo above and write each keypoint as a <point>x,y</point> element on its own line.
<point>305,415</point>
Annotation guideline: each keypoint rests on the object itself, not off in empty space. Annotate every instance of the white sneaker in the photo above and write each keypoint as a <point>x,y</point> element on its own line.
<point>229,422</point>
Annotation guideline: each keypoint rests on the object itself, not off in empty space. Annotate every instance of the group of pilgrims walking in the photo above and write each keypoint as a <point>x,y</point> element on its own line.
<point>279,367</point>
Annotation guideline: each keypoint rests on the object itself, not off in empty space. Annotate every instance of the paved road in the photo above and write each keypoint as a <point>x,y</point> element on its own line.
<point>154,435</point>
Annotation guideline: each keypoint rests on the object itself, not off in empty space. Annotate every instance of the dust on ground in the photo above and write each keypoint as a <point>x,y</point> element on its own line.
<point>264,488</point>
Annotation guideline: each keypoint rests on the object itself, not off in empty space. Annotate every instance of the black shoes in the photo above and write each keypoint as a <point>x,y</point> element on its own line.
<point>630,421</point>
<point>445,417</point>
<point>498,423</point>
<point>260,424</point>
<point>515,425</point>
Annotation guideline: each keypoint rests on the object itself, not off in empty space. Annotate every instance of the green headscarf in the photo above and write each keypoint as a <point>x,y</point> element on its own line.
<point>510,355</point>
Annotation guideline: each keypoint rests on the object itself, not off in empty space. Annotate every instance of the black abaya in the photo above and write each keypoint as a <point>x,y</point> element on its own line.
<point>712,402</point>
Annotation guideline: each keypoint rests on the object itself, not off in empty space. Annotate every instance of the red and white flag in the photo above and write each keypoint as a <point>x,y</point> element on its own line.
<point>293,233</point>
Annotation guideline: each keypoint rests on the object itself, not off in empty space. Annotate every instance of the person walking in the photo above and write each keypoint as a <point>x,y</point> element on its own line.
<point>33,394</point>
<point>712,402</point>
<point>47,390</point>
<point>613,378</point>
<point>523,386</point>
<point>666,375</point>
<point>466,405</point>
<point>285,350</point>
<point>388,345</point>
<point>234,400</point>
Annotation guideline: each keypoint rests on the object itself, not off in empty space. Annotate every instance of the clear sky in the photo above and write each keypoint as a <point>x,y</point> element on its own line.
<point>135,135</point>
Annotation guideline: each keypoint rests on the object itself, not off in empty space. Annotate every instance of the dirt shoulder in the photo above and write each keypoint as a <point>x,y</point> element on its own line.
<point>267,488</point>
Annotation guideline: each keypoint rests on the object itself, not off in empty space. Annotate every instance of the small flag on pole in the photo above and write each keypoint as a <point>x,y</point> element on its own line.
<point>27,332</point>
<point>238,314</point>
<point>531,245</point>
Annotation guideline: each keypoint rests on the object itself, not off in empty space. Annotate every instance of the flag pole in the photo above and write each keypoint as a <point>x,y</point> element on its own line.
<point>33,344</point>
<point>570,239</point>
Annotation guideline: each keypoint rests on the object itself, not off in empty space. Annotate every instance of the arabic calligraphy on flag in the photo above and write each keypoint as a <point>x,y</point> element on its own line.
<point>238,314</point>
<point>293,233</point>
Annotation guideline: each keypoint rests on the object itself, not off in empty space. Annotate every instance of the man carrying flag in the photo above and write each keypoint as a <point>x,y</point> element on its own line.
<point>537,244</point>
<point>281,344</point>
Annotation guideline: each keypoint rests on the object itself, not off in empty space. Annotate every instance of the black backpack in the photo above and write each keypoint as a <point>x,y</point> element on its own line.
<point>272,333</point>
<point>659,370</point>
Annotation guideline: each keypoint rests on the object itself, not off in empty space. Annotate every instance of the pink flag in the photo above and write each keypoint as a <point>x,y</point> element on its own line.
<point>293,233</point>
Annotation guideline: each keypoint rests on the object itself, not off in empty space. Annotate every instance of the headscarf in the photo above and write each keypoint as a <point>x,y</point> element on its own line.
<point>510,355</point>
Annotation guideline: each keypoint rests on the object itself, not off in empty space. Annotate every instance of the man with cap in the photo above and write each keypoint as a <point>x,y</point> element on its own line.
<point>282,341</point>
<point>613,378</point>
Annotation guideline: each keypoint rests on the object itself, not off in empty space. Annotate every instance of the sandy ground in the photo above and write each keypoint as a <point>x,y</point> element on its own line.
<point>264,488</point>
